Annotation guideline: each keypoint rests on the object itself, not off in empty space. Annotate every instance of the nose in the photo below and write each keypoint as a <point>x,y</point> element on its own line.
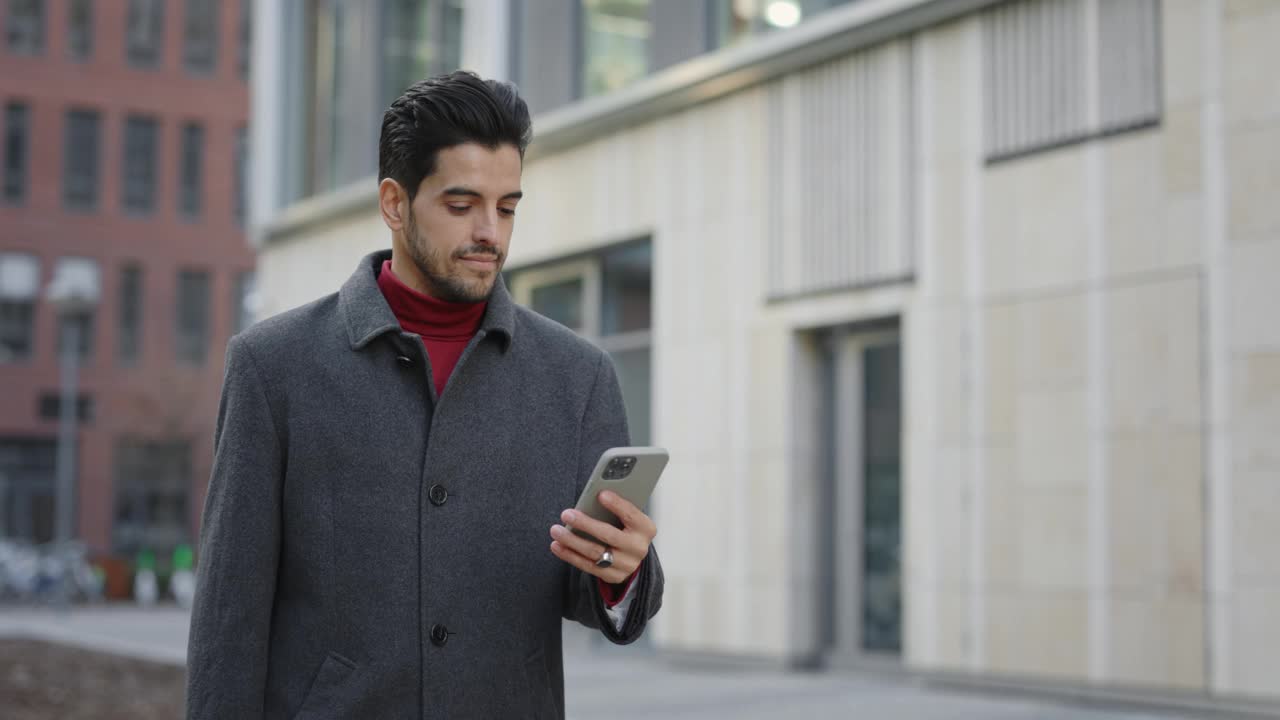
<point>485,229</point>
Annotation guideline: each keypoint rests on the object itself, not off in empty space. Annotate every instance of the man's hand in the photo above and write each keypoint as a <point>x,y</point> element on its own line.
<point>630,545</point>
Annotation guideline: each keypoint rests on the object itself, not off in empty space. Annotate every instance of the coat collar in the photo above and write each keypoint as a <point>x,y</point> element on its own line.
<point>368,316</point>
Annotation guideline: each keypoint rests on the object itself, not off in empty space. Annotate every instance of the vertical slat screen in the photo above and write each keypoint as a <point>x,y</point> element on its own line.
<point>1128,63</point>
<point>842,193</point>
<point>1034,84</point>
<point>1034,80</point>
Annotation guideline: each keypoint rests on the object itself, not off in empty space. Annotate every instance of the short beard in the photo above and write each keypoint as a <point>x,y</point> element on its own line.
<point>434,266</point>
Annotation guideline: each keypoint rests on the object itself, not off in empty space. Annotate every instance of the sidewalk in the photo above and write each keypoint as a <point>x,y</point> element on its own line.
<point>158,634</point>
<point>615,683</point>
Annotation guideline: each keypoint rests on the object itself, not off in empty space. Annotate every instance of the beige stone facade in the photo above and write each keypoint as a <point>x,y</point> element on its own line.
<point>1091,368</point>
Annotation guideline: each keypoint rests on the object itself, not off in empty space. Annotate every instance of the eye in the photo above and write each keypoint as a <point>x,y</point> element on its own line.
<point>458,209</point>
<point>509,212</point>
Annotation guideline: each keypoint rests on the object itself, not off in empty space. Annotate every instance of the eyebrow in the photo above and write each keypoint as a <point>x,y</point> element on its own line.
<point>468,192</point>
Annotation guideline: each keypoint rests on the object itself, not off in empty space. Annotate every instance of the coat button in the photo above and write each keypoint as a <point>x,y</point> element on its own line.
<point>439,635</point>
<point>438,495</point>
<point>404,360</point>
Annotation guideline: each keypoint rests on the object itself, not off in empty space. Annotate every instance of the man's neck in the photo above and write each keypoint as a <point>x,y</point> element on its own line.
<point>408,273</point>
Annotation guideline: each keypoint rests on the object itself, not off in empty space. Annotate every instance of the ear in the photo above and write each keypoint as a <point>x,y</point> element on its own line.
<point>393,202</point>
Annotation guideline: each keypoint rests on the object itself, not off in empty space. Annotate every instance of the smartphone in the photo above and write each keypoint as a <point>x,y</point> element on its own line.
<point>631,472</point>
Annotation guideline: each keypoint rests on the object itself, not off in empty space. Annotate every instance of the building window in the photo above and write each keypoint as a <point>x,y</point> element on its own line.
<point>26,489</point>
<point>50,407</point>
<point>130,343</point>
<point>732,21</point>
<point>1037,82</point>
<point>244,47</point>
<point>16,329</point>
<point>153,480</point>
<point>192,330</point>
<point>421,39</point>
<point>607,298</point>
<point>19,289</point>
<point>144,39</point>
<point>451,35</point>
<point>80,160</point>
<point>80,29</point>
<point>352,83</point>
<point>241,178</point>
<point>615,44</point>
<point>561,300</point>
<point>17,140</point>
<point>25,28</point>
<point>333,120</point>
<point>244,301</point>
<point>140,151</point>
<point>191,156</point>
<point>200,36</point>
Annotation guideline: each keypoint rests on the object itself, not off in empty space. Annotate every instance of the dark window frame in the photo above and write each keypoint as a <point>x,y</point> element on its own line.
<point>193,317</point>
<point>18,314</point>
<point>149,473</point>
<point>240,176</point>
<point>129,331</point>
<point>26,35</point>
<point>17,173</point>
<point>191,146</point>
<point>17,330</point>
<point>80,30</point>
<point>49,406</point>
<point>200,36</point>
<point>81,166</point>
<point>581,59</point>
<point>144,36</point>
<point>27,504</point>
<point>140,168</point>
<point>244,41</point>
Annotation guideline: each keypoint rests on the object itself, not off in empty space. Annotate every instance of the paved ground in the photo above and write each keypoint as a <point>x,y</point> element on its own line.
<point>619,684</point>
<point>42,680</point>
<point>616,683</point>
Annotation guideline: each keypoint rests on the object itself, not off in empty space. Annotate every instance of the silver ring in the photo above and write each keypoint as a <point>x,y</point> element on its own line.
<point>606,559</point>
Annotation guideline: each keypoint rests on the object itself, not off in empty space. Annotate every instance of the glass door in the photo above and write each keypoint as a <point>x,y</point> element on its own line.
<point>863,488</point>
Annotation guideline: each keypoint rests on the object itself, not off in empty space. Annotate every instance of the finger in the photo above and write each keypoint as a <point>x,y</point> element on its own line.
<point>578,544</point>
<point>602,531</point>
<point>631,516</point>
<point>613,574</point>
<point>626,559</point>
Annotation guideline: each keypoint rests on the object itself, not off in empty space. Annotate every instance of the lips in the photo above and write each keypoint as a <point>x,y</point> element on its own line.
<point>480,261</point>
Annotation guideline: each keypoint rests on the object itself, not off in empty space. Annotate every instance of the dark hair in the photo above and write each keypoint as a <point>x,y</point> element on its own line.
<point>444,111</point>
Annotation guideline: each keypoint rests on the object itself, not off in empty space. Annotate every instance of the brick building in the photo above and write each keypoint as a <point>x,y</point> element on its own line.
<point>124,142</point>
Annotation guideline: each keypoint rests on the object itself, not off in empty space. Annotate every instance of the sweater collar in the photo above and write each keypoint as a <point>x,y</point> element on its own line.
<point>368,315</point>
<point>425,315</point>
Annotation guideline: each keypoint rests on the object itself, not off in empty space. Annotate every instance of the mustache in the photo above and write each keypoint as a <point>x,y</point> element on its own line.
<point>479,250</point>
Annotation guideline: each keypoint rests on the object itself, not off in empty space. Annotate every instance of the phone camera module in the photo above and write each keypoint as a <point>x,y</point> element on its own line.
<point>619,468</point>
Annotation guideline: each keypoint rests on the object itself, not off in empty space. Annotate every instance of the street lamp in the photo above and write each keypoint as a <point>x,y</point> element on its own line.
<point>73,292</point>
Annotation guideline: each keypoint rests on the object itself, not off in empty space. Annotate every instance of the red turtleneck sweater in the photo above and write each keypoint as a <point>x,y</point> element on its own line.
<point>446,328</point>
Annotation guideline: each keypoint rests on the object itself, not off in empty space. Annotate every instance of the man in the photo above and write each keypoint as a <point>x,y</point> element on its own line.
<point>390,459</point>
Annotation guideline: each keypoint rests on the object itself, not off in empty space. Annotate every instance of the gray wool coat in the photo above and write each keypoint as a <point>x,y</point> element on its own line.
<point>370,550</point>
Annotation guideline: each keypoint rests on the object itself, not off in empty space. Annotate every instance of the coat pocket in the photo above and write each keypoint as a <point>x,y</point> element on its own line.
<point>326,696</point>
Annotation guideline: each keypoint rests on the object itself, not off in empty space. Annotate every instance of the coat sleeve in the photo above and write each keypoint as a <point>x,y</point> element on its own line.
<point>238,551</point>
<point>604,425</point>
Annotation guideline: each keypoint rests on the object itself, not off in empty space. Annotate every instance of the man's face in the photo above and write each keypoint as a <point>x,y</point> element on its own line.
<point>459,224</point>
